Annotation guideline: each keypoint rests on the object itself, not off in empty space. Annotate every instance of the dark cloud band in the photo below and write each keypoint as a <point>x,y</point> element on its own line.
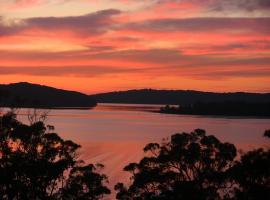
<point>90,24</point>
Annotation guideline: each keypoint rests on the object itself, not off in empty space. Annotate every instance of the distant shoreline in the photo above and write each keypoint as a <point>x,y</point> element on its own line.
<point>50,108</point>
<point>217,116</point>
<point>139,107</point>
<point>229,108</point>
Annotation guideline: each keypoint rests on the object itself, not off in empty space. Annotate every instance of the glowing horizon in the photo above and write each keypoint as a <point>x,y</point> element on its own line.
<point>108,45</point>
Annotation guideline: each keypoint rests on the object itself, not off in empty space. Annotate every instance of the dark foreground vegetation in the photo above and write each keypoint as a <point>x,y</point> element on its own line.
<point>35,163</point>
<point>39,96</point>
<point>228,108</point>
<point>194,166</point>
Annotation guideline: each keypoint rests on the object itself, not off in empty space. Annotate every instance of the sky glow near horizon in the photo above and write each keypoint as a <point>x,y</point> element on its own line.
<point>99,46</point>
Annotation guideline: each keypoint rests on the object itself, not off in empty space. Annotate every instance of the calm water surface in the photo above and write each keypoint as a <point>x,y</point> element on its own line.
<point>114,134</point>
<point>135,123</point>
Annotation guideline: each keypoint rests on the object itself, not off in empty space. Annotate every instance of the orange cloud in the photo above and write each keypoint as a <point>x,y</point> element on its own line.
<point>163,44</point>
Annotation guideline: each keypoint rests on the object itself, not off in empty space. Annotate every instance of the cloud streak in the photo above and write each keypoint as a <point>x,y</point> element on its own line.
<point>79,71</point>
<point>221,5</point>
<point>258,25</point>
<point>90,24</point>
<point>198,73</point>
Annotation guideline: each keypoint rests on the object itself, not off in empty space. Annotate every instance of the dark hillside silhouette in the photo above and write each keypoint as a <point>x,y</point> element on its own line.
<point>177,97</point>
<point>33,95</point>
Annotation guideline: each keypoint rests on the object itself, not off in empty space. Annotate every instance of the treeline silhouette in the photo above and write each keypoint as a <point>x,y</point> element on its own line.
<point>39,96</point>
<point>36,163</point>
<point>176,97</point>
<point>228,108</point>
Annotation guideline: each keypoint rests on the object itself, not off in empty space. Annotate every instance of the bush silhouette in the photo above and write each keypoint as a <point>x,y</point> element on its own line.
<point>36,163</point>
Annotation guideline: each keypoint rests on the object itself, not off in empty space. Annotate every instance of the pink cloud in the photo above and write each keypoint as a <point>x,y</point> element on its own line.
<point>21,4</point>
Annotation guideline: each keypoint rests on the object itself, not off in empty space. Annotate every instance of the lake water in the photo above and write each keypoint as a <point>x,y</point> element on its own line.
<point>114,134</point>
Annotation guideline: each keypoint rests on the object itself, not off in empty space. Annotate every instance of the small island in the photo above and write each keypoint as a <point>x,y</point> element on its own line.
<point>226,108</point>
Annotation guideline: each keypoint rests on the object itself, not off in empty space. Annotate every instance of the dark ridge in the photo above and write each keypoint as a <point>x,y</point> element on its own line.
<point>33,95</point>
<point>177,97</point>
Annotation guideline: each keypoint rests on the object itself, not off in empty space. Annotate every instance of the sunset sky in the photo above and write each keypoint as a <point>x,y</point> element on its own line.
<point>97,46</point>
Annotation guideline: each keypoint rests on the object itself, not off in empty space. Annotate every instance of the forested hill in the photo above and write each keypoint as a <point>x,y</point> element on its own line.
<point>176,97</point>
<point>32,95</point>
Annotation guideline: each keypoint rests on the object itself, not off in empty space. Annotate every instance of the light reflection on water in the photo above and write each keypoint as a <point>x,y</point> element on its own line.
<point>114,134</point>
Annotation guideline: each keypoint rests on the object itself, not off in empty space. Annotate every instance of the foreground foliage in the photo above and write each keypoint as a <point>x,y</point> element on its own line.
<point>252,173</point>
<point>194,166</point>
<point>35,163</point>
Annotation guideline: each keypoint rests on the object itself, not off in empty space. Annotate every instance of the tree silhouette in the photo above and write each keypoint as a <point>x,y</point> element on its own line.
<point>267,134</point>
<point>189,166</point>
<point>252,174</point>
<point>35,163</point>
